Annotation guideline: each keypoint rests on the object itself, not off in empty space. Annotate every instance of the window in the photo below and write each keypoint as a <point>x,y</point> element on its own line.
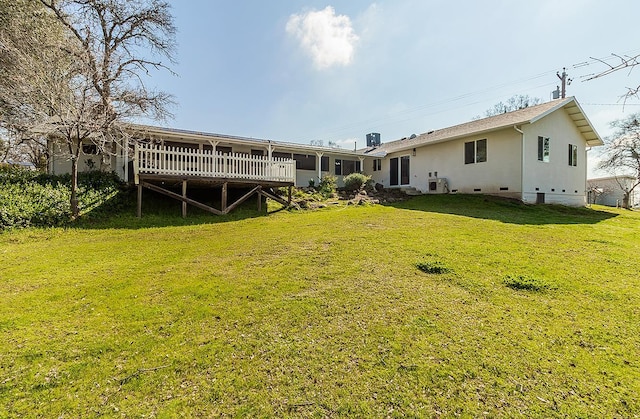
<point>324,163</point>
<point>543,149</point>
<point>280,155</point>
<point>305,161</point>
<point>257,152</point>
<point>89,149</point>
<point>346,167</point>
<point>573,155</point>
<point>475,151</point>
<point>377,165</point>
<point>223,150</point>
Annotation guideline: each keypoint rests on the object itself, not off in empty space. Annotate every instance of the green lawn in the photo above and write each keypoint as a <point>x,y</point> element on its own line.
<point>326,313</point>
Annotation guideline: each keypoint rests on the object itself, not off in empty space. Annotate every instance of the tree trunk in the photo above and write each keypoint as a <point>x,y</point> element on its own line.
<point>625,200</point>
<point>75,211</point>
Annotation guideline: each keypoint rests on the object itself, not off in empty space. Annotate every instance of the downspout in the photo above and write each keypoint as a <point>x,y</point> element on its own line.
<point>586,174</point>
<point>521,162</point>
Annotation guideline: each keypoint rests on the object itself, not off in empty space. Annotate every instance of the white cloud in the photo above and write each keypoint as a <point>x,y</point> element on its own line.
<point>328,38</point>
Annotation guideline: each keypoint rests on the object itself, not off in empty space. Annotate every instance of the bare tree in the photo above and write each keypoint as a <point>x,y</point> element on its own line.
<point>93,78</point>
<point>623,62</point>
<point>514,103</point>
<point>621,155</point>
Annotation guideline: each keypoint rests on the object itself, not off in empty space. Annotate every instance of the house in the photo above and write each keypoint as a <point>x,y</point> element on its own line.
<point>311,162</point>
<point>537,155</point>
<point>610,191</point>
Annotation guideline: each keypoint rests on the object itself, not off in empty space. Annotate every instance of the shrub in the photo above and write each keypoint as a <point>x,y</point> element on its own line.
<point>433,267</point>
<point>526,283</point>
<point>29,198</point>
<point>355,181</point>
<point>327,186</point>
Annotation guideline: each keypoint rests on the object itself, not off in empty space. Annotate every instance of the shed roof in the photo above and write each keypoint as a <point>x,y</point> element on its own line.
<point>493,123</point>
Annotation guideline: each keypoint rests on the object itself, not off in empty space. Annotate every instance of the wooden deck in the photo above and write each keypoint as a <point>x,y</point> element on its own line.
<point>159,169</point>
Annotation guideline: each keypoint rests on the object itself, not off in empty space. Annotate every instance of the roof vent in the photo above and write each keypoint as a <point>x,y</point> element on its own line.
<point>412,136</point>
<point>430,132</point>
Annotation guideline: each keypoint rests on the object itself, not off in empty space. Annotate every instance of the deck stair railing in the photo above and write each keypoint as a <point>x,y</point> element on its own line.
<point>183,161</point>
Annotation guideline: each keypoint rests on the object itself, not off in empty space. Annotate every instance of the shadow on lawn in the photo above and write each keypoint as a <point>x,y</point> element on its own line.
<point>159,211</point>
<point>509,211</point>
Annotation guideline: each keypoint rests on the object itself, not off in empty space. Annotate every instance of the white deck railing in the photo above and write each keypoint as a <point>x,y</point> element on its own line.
<point>178,161</point>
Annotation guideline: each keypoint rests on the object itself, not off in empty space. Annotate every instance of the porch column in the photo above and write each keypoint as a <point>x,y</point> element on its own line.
<point>319,155</point>
<point>126,159</point>
<point>361,163</point>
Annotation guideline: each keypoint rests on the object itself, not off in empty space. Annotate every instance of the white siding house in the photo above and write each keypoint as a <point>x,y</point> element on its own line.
<point>536,154</point>
<point>610,191</point>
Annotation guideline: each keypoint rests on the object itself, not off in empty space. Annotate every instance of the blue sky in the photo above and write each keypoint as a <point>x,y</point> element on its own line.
<point>335,70</point>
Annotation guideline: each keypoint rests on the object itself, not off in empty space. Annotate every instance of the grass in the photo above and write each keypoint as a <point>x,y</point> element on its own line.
<point>325,313</point>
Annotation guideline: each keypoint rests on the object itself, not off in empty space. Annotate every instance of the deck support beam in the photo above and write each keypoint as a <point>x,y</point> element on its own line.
<point>184,195</point>
<point>224,197</point>
<point>261,190</point>
<point>139,200</point>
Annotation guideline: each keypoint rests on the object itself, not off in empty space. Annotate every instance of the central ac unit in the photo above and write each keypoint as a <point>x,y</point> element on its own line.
<point>438,185</point>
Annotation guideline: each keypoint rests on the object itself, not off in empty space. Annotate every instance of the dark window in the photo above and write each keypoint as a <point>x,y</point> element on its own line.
<point>257,152</point>
<point>393,171</point>
<point>223,150</point>
<point>543,149</point>
<point>469,152</point>
<point>377,165</point>
<point>89,149</point>
<point>305,161</point>
<point>573,155</point>
<point>404,170</point>
<point>346,167</point>
<point>324,163</point>
<point>475,151</point>
<point>481,151</point>
<point>281,155</point>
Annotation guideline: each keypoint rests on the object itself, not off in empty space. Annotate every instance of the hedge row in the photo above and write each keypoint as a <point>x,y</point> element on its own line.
<point>29,198</point>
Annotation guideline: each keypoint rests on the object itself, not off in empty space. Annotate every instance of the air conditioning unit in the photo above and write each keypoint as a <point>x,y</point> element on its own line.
<point>438,185</point>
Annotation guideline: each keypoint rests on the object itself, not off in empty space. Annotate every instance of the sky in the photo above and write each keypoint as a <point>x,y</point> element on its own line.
<point>335,70</point>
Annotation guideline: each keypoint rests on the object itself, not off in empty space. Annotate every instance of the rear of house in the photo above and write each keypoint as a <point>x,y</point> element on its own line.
<point>536,154</point>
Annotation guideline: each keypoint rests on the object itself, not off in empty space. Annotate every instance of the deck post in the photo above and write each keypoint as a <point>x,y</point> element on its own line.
<point>140,200</point>
<point>259,199</point>
<point>184,195</point>
<point>224,197</point>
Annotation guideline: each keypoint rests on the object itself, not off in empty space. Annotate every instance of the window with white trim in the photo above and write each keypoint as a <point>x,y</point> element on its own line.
<point>573,155</point>
<point>475,151</point>
<point>543,149</point>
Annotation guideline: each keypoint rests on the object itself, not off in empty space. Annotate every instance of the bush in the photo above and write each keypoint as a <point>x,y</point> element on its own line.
<point>525,283</point>
<point>355,181</point>
<point>327,186</point>
<point>29,198</point>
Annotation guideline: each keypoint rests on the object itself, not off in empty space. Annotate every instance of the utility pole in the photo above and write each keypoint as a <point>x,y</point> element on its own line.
<point>565,82</point>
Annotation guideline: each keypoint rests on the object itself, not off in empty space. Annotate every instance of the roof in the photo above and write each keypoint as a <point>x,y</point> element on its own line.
<point>204,137</point>
<point>608,178</point>
<point>493,123</point>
